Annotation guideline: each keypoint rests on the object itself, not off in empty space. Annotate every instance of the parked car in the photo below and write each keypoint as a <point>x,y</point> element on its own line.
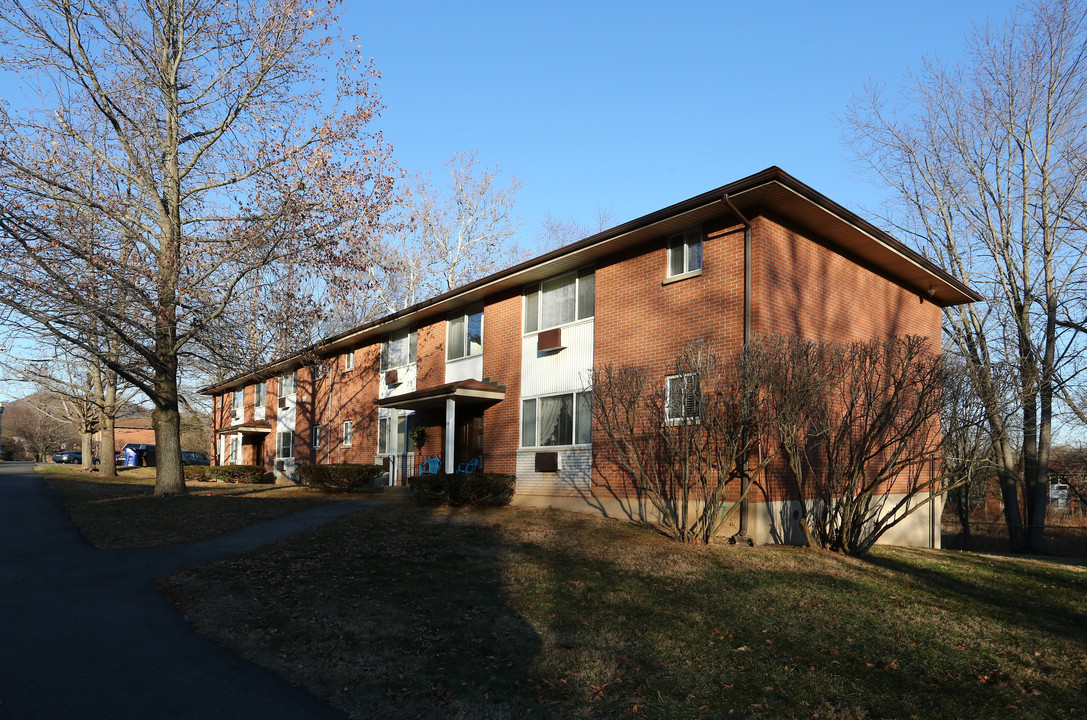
<point>71,457</point>
<point>68,457</point>
<point>188,457</point>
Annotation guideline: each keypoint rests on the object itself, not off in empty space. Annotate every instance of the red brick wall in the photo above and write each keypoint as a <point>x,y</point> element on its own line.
<point>502,364</point>
<point>640,320</point>
<point>802,287</point>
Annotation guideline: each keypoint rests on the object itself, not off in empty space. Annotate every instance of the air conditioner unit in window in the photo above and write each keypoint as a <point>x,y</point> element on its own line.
<point>547,462</point>
<point>283,402</point>
<point>392,377</point>
<point>549,340</point>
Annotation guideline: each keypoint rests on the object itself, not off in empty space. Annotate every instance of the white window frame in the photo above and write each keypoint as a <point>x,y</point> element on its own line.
<point>289,435</point>
<point>347,436</point>
<point>465,350</point>
<point>534,298</point>
<point>413,348</point>
<point>288,381</point>
<point>691,405</point>
<point>580,435</point>
<point>681,251</point>
<point>399,422</point>
<point>237,404</point>
<point>349,361</point>
<point>235,456</point>
<point>260,399</point>
<point>315,436</point>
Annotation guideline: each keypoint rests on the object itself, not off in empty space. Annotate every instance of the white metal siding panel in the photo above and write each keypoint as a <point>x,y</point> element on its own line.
<point>566,370</point>
<point>469,368</point>
<point>405,375</point>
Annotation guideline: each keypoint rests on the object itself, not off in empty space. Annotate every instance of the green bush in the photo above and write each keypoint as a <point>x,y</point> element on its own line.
<point>197,473</point>
<point>463,488</point>
<point>344,477</point>
<point>244,474</point>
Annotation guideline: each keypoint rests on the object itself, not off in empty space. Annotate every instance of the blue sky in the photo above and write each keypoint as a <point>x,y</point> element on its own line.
<point>633,106</point>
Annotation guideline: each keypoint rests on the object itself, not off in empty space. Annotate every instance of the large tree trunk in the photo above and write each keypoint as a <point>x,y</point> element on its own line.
<point>106,426</point>
<point>87,447</point>
<point>166,419</point>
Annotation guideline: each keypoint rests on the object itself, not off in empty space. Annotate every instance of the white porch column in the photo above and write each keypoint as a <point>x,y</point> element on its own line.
<point>450,425</point>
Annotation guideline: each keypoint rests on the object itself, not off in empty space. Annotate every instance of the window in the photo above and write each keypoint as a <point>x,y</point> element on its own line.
<point>557,420</point>
<point>464,333</point>
<point>287,384</point>
<point>560,300</point>
<point>235,450</point>
<point>685,252</point>
<point>349,361</point>
<point>398,350</point>
<point>316,432</point>
<point>237,403</point>
<point>682,398</point>
<point>285,445</point>
<point>348,428</point>
<point>260,395</point>
<point>318,371</point>
<point>402,424</point>
<point>383,436</point>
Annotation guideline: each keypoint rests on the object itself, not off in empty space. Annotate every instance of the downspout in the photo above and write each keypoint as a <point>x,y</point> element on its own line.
<point>741,536</point>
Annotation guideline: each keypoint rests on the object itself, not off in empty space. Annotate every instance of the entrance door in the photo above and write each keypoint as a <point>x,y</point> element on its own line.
<point>468,440</point>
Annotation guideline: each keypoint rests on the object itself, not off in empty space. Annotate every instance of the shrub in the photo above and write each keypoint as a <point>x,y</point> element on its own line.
<point>345,477</point>
<point>244,474</point>
<point>463,488</point>
<point>197,473</point>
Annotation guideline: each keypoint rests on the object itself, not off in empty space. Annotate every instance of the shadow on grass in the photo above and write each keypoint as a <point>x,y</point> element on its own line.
<point>436,613</point>
<point>407,617</point>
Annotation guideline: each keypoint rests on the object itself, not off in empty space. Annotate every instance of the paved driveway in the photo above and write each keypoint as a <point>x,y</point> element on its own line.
<point>85,635</point>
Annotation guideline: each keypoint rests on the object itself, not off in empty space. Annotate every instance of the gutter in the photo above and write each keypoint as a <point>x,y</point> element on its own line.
<point>741,536</point>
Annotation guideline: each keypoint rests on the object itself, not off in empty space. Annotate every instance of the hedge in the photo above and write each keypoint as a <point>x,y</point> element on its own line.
<point>463,488</point>
<point>244,474</point>
<point>197,473</point>
<point>343,477</point>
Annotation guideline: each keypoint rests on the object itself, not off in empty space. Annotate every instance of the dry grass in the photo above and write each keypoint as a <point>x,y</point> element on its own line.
<point>122,512</point>
<point>512,613</point>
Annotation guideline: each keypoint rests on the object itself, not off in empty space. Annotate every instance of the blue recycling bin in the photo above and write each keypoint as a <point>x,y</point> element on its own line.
<point>139,455</point>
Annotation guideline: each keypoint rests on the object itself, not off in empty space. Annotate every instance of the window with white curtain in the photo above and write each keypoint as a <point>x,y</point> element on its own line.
<point>398,350</point>
<point>285,445</point>
<point>554,420</point>
<point>560,300</point>
<point>464,333</point>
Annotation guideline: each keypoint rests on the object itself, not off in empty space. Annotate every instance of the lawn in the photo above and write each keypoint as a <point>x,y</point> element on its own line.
<point>122,512</point>
<point>516,613</point>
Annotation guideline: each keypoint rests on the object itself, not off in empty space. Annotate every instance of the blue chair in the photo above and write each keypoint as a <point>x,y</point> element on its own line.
<point>430,467</point>
<point>470,466</point>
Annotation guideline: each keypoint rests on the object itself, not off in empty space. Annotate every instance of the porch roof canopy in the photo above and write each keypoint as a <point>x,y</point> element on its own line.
<point>470,392</point>
<point>257,427</point>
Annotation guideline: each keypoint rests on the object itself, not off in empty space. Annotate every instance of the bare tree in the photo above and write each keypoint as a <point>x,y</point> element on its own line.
<point>988,160</point>
<point>680,442</point>
<point>968,460</point>
<point>175,150</point>
<point>40,432</point>
<point>456,234</point>
<point>859,428</point>
<point>556,232</point>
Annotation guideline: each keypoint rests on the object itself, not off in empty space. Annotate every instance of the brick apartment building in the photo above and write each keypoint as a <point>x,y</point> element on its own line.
<point>499,368</point>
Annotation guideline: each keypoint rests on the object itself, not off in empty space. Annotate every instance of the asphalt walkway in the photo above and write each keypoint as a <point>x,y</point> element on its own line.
<point>84,633</point>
